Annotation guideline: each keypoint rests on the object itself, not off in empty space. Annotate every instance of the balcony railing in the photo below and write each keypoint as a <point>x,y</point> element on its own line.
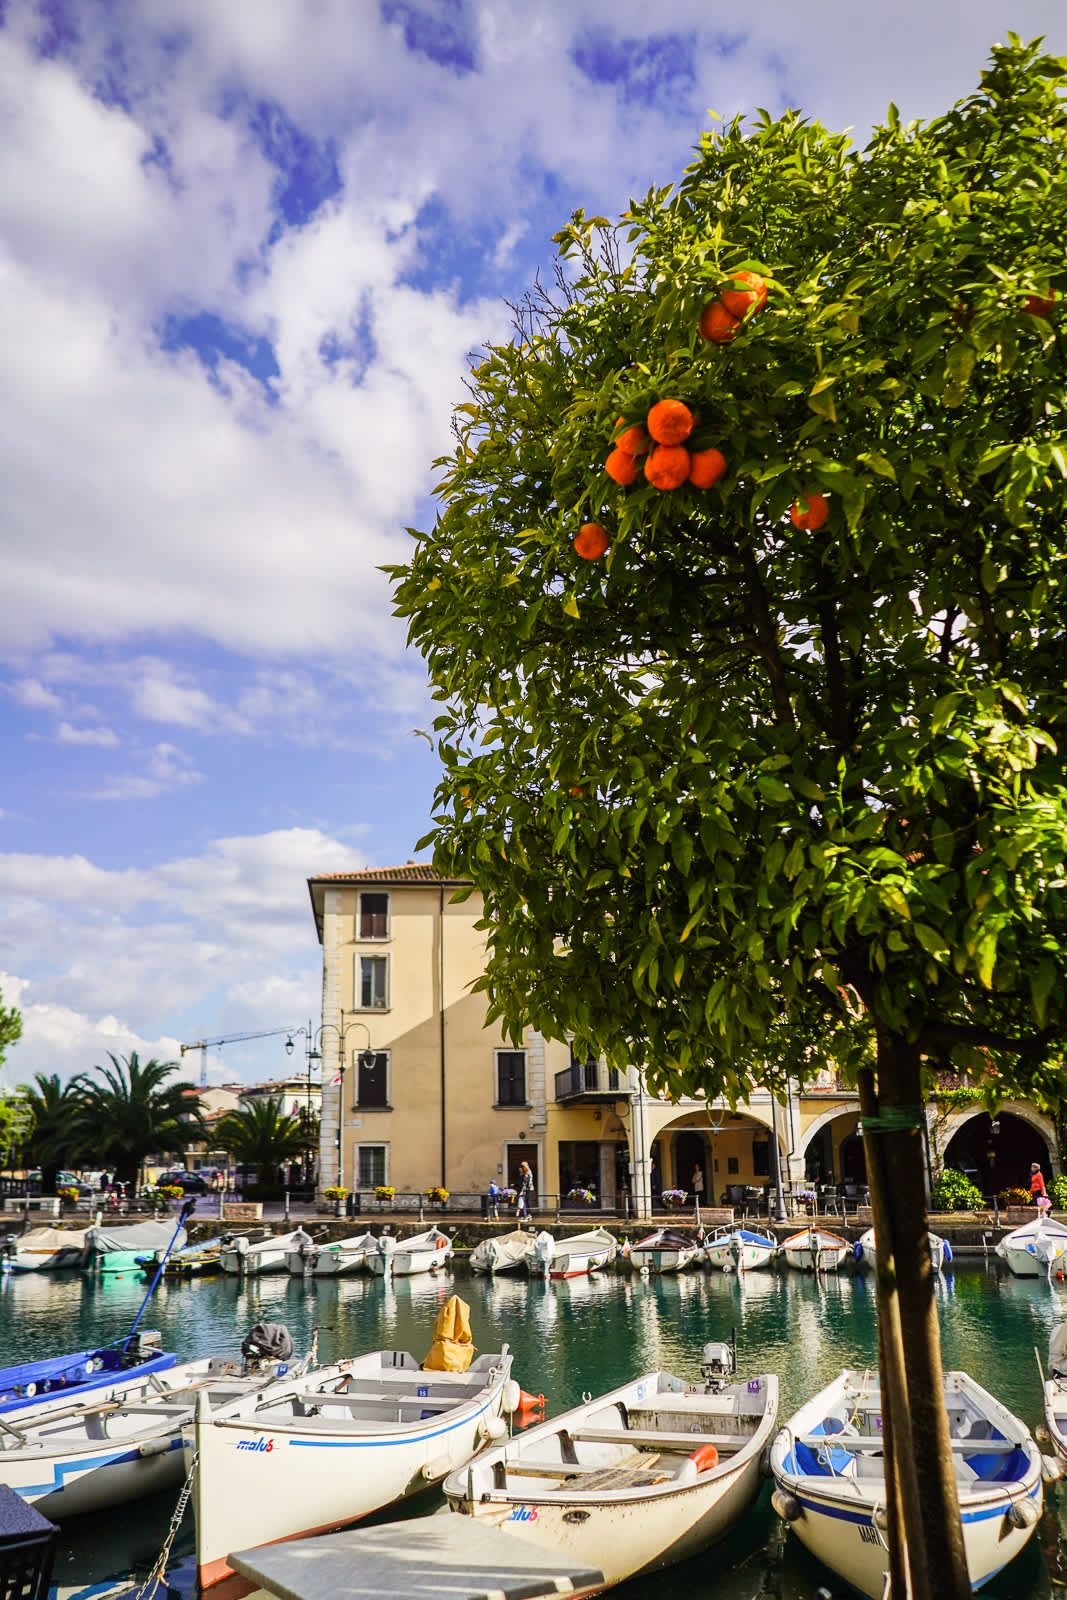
<point>590,1080</point>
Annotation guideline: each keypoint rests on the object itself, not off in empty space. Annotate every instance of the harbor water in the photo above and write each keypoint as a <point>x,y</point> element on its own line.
<point>570,1338</point>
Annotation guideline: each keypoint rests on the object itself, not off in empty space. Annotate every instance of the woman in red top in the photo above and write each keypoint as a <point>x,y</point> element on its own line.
<point>1037,1184</point>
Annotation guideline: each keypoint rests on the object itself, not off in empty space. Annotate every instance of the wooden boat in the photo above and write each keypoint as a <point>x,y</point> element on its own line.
<point>1054,1388</point>
<point>829,1473</point>
<point>1032,1250</point>
<point>814,1250</point>
<point>331,1258</point>
<point>33,1384</point>
<point>43,1250</point>
<point>663,1251</point>
<point>245,1260</point>
<point>648,1475</point>
<point>334,1446</point>
<point>116,1250</point>
<point>739,1249</point>
<point>865,1251</point>
<point>505,1253</point>
<point>88,1454</point>
<point>402,1258</point>
<point>569,1258</point>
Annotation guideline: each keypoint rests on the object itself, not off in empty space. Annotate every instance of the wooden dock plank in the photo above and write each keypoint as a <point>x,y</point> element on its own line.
<point>442,1557</point>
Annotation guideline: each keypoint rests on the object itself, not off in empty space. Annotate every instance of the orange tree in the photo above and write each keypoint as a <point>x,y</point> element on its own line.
<point>776,779</point>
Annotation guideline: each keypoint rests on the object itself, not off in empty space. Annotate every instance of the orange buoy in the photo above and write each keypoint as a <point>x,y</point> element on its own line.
<point>529,1402</point>
<point>705,1458</point>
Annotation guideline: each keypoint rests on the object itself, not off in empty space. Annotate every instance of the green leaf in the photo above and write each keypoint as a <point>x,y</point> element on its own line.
<point>1041,983</point>
<point>570,607</point>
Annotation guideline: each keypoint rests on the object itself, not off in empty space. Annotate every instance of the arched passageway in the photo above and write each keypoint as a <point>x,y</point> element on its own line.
<point>996,1152</point>
<point>689,1153</point>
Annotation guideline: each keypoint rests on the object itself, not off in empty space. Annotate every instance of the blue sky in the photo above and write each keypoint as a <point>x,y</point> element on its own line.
<point>245,250</point>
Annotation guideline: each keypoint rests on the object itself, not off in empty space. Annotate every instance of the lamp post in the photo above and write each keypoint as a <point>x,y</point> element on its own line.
<point>367,1058</point>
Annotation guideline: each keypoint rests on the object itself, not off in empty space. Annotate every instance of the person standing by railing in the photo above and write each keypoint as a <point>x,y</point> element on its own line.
<point>1037,1185</point>
<point>522,1200</point>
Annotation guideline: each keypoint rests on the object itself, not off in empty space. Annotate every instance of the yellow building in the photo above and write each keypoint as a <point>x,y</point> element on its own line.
<point>417,1091</point>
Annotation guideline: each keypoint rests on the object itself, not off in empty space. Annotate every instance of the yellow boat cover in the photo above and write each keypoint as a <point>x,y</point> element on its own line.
<point>452,1349</point>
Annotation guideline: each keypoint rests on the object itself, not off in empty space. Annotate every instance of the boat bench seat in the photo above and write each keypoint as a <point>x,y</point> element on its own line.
<point>659,1440</point>
<point>856,1443</point>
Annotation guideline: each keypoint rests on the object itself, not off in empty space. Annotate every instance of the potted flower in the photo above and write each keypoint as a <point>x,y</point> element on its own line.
<point>672,1198</point>
<point>438,1195</point>
<point>580,1197</point>
<point>69,1197</point>
<point>385,1193</point>
<point>337,1194</point>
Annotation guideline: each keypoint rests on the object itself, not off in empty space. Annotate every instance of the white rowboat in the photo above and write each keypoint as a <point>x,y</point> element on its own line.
<point>663,1251</point>
<point>866,1253</point>
<point>739,1249</point>
<point>44,1250</point>
<point>336,1445</point>
<point>631,1482</point>
<point>332,1259</point>
<point>569,1258</point>
<point>1055,1389</point>
<point>1032,1250</point>
<point>403,1258</point>
<point>504,1253</point>
<point>829,1472</point>
<point>241,1259</point>
<point>815,1250</point>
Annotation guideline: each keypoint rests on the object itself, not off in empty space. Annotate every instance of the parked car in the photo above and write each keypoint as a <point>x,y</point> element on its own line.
<point>188,1182</point>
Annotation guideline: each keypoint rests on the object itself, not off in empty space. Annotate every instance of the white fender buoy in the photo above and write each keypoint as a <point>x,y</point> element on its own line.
<point>1023,1514</point>
<point>511,1395</point>
<point>493,1428</point>
<point>787,1506</point>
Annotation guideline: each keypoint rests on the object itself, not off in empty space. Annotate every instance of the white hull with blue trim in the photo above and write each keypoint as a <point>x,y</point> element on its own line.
<point>1033,1250</point>
<point>740,1249</point>
<point>814,1250</point>
<point>93,1453</point>
<point>866,1252</point>
<point>829,1474</point>
<point>345,1441</point>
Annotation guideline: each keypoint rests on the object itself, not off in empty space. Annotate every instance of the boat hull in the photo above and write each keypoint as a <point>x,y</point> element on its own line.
<point>815,1251</point>
<point>739,1251</point>
<point>627,1533</point>
<point>261,1482</point>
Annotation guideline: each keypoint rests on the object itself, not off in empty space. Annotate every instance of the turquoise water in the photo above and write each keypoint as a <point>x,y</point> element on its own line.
<point>568,1338</point>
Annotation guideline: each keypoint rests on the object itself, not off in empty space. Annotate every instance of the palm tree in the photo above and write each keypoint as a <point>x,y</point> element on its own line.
<point>54,1135</point>
<point>262,1135</point>
<point>135,1113</point>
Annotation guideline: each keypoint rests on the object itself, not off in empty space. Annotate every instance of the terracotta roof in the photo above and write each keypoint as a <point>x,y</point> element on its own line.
<point>411,872</point>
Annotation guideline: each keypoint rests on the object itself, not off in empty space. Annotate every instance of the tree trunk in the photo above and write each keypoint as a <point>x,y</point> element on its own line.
<point>933,1531</point>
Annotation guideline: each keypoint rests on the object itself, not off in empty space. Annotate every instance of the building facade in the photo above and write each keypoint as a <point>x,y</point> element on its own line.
<point>418,1091</point>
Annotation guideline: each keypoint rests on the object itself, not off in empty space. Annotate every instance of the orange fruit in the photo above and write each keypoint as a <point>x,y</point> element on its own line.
<point>669,422</point>
<point>1038,306</point>
<point>717,324</point>
<point>591,541</point>
<point>621,466</point>
<point>752,293</point>
<point>706,467</point>
<point>577,793</point>
<point>667,467</point>
<point>634,441</point>
<point>809,513</point>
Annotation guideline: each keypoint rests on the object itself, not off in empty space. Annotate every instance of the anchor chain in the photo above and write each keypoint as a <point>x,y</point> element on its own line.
<point>158,1572</point>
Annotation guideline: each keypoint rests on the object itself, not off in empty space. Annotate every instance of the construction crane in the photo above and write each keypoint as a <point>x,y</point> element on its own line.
<point>204,1045</point>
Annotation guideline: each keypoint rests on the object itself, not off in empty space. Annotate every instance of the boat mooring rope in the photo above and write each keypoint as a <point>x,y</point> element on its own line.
<point>158,1572</point>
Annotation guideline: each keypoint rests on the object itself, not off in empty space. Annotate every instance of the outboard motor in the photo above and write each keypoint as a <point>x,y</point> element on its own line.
<point>386,1250</point>
<point>544,1251</point>
<point>9,1245</point>
<point>719,1363</point>
<point>142,1347</point>
<point>266,1343</point>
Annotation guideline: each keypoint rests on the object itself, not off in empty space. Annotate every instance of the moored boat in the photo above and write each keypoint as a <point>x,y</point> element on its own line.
<point>549,1257</point>
<point>43,1250</point>
<point>403,1258</point>
<point>739,1249</point>
<point>332,1447</point>
<point>1054,1387</point>
<point>814,1249</point>
<point>117,1249</point>
<point>242,1259</point>
<point>330,1258</point>
<point>829,1472</point>
<point>33,1384</point>
<point>666,1250</point>
<point>640,1478</point>
<point>1032,1250</point>
<point>88,1454</point>
<point>506,1252</point>
<point>866,1254</point>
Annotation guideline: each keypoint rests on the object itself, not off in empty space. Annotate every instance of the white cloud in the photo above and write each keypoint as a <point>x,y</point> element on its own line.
<point>105,738</point>
<point>225,938</point>
<point>35,696</point>
<point>167,768</point>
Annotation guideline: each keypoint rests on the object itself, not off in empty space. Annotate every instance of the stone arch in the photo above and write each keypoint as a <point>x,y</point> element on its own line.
<point>995,1160</point>
<point>814,1139</point>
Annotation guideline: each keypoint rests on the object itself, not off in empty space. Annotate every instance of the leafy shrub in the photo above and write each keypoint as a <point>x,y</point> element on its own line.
<point>1057,1192</point>
<point>1013,1197</point>
<point>954,1191</point>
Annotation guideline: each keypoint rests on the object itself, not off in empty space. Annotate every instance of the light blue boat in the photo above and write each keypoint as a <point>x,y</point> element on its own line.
<point>112,1250</point>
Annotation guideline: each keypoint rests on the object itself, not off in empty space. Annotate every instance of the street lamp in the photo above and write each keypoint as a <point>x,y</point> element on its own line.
<point>367,1058</point>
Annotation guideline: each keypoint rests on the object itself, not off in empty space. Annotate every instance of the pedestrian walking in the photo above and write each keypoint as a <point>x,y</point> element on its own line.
<point>522,1203</point>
